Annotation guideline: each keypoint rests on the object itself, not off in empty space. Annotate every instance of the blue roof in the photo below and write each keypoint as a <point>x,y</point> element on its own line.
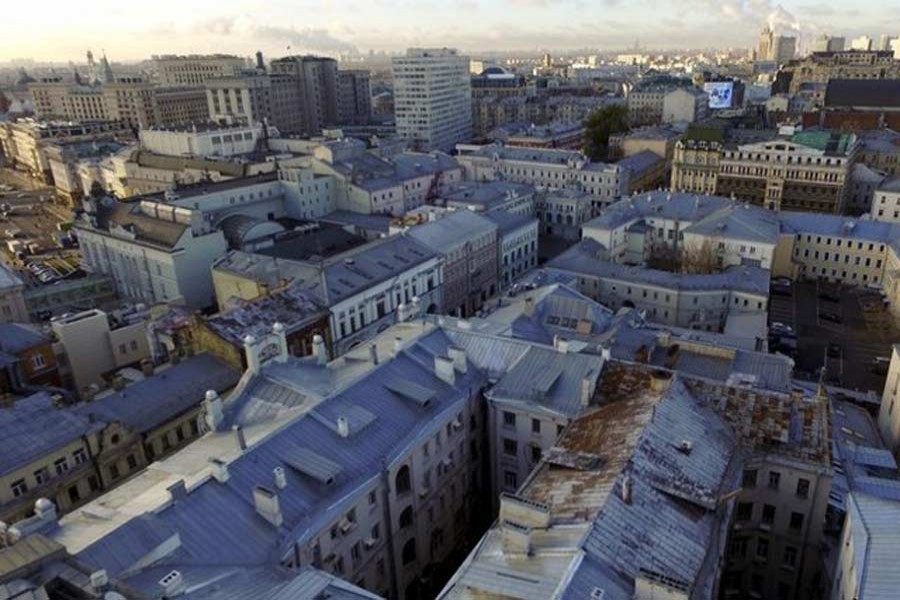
<point>582,258</point>
<point>507,221</point>
<point>17,337</point>
<point>217,522</point>
<point>448,232</point>
<point>865,230</point>
<point>32,427</point>
<point>665,205</point>
<point>739,221</point>
<point>154,400</point>
<point>640,162</point>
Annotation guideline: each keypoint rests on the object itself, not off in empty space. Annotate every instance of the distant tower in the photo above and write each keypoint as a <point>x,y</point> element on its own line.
<point>107,73</point>
<point>260,64</point>
<point>548,61</point>
<point>90,59</point>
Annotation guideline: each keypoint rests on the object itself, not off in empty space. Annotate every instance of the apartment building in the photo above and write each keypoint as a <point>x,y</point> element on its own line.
<point>809,172</point>
<point>562,213</point>
<point>467,242</point>
<point>202,139</point>
<point>369,184</point>
<point>354,97</point>
<point>517,245</point>
<point>181,105</point>
<point>685,105</point>
<point>633,539</point>
<point>695,301</point>
<point>252,98</point>
<point>548,169</point>
<point>821,67</point>
<point>886,201</point>
<point>888,422</point>
<point>498,110</point>
<point>25,141</point>
<point>29,361</point>
<point>152,251</point>
<point>366,289</point>
<point>317,87</point>
<point>82,450</point>
<point>492,196</point>
<point>195,69</point>
<point>695,166</point>
<point>433,97</point>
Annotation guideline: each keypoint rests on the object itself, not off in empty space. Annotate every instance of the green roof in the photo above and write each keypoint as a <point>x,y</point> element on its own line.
<point>705,133</point>
<point>826,141</point>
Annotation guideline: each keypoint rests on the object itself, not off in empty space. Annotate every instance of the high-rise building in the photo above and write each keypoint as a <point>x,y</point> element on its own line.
<point>316,81</point>
<point>195,69</point>
<point>253,98</point>
<point>863,42</point>
<point>354,97</point>
<point>775,48</point>
<point>433,97</point>
<point>885,42</point>
<point>827,43</point>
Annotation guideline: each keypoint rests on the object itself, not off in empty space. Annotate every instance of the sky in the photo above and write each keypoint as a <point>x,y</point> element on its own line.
<point>63,30</point>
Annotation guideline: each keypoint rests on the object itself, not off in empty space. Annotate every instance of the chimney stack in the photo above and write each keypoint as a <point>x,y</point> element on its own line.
<point>561,344</point>
<point>529,306</point>
<point>458,356</point>
<point>267,505</point>
<point>99,580</point>
<point>251,354</point>
<point>178,490</point>
<point>343,427</point>
<point>239,437</point>
<point>281,336</point>
<point>373,354</point>
<point>213,405</point>
<point>172,585</point>
<point>398,345</point>
<point>320,350</point>
<point>587,389</point>
<point>443,368</point>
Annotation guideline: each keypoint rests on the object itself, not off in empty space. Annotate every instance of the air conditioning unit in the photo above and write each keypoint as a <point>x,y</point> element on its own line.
<point>346,525</point>
<point>369,543</point>
<point>423,491</point>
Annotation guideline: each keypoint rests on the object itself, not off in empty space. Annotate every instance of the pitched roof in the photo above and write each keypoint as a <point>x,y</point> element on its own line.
<point>456,228</point>
<point>34,426</point>
<point>158,398</point>
<point>18,337</point>
<point>874,93</point>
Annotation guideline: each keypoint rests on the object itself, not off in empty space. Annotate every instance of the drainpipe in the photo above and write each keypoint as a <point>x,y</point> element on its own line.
<point>389,530</point>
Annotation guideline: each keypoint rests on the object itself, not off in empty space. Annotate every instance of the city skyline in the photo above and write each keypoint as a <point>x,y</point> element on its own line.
<point>335,27</point>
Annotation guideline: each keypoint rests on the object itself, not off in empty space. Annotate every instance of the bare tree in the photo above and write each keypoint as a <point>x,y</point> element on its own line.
<point>700,258</point>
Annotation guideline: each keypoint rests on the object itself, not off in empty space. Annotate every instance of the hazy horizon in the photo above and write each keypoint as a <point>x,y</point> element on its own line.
<point>66,30</point>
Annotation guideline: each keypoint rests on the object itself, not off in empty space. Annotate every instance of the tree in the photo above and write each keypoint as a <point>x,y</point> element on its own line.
<point>701,258</point>
<point>602,123</point>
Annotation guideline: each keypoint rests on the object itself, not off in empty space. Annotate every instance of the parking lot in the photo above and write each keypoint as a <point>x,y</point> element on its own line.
<point>857,329</point>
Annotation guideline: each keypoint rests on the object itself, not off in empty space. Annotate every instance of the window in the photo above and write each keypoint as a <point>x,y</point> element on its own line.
<point>535,454</point>
<point>376,532</point>
<point>774,480</point>
<point>790,557</point>
<point>796,521</point>
<point>354,552</point>
<point>373,498</point>
<point>114,472</point>
<point>80,456</point>
<point>406,517</point>
<point>803,488</point>
<point>744,511</point>
<point>535,426</point>
<point>510,447</point>
<point>402,483</point>
<point>768,514</point>
<point>749,479</point>
<point>61,465</point>
<point>510,479</point>
<point>37,361</point>
<point>509,419</point>
<point>409,551</point>
<point>42,475</point>
<point>762,548</point>
<point>132,462</point>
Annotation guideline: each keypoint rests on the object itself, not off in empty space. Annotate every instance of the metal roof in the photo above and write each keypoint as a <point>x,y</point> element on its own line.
<point>875,530</point>
<point>18,337</point>
<point>457,228</point>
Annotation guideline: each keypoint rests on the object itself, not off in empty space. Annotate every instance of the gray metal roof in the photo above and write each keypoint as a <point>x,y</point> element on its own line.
<point>665,205</point>
<point>457,228</point>
<point>875,539</point>
<point>18,337</point>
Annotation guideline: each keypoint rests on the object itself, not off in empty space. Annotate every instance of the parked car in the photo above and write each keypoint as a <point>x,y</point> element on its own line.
<point>780,328</point>
<point>830,296</point>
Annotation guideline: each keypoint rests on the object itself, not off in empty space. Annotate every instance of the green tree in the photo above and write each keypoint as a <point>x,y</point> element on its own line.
<point>602,123</point>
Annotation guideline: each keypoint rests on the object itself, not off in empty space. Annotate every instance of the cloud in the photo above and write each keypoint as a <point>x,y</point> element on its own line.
<point>309,39</point>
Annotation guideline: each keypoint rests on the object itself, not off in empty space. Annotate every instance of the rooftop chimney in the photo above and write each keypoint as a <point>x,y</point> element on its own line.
<point>280,477</point>
<point>281,336</point>
<point>251,354</point>
<point>213,405</point>
<point>239,437</point>
<point>516,538</point>
<point>343,427</point>
<point>529,306</point>
<point>587,388</point>
<point>99,580</point>
<point>267,506</point>
<point>219,470</point>
<point>443,368</point>
<point>458,356</point>
<point>398,345</point>
<point>319,349</point>
<point>373,354</point>
<point>659,380</point>
<point>561,344</point>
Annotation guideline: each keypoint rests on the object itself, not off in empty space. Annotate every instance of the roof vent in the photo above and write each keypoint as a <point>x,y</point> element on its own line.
<point>343,427</point>
<point>280,477</point>
<point>172,584</point>
<point>99,580</point>
<point>219,469</point>
<point>626,489</point>
<point>685,446</point>
<point>598,594</point>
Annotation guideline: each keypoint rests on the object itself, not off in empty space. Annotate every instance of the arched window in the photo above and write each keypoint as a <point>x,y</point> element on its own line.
<point>409,551</point>
<point>402,481</point>
<point>406,517</point>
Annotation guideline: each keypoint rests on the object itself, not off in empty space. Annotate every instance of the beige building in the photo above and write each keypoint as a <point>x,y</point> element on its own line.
<point>886,202</point>
<point>889,412</point>
<point>820,67</point>
<point>695,166</point>
<point>195,69</point>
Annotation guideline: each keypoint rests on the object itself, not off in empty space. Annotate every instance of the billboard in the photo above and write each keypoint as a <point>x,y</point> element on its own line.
<point>720,93</point>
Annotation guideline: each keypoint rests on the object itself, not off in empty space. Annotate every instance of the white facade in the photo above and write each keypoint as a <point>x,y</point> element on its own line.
<point>518,251</point>
<point>682,105</point>
<point>562,213</point>
<point>192,142</point>
<point>889,413</point>
<point>886,202</point>
<point>433,97</point>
